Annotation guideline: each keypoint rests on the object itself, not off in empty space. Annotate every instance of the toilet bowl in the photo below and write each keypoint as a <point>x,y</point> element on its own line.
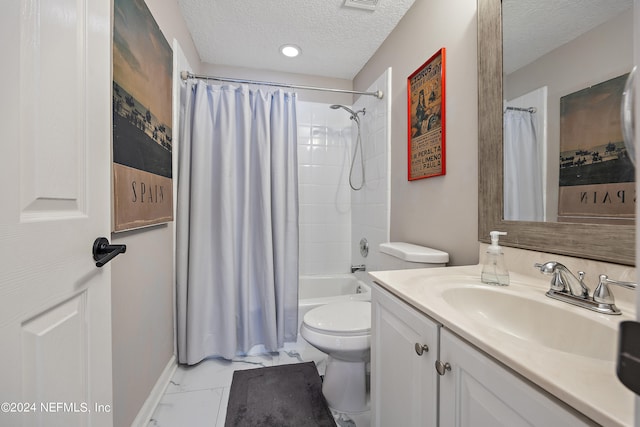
<point>343,331</point>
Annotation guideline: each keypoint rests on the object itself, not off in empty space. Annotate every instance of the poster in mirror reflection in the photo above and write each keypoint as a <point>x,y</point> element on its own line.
<point>426,119</point>
<point>597,177</point>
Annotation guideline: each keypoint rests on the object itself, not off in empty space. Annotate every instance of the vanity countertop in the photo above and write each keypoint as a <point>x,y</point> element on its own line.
<point>589,385</point>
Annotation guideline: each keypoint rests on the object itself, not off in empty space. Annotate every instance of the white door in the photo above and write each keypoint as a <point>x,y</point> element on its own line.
<point>55,309</point>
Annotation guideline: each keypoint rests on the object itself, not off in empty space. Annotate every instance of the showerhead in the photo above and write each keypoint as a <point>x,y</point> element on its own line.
<point>354,114</point>
<point>336,106</point>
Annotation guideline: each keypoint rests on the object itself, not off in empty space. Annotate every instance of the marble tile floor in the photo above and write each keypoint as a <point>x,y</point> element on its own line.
<point>198,395</point>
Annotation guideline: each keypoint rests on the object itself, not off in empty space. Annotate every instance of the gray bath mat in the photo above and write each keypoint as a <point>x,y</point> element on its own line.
<point>279,396</point>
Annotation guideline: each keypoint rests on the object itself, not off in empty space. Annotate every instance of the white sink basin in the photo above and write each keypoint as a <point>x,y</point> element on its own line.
<point>546,324</point>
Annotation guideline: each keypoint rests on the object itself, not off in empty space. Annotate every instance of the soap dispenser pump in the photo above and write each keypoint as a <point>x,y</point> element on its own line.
<point>494,270</point>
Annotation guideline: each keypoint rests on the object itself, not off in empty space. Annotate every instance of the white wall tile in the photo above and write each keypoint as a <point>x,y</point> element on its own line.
<point>370,206</point>
<point>333,218</point>
<point>325,211</point>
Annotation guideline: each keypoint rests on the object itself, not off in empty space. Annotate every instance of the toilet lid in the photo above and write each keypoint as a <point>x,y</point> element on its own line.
<point>341,317</point>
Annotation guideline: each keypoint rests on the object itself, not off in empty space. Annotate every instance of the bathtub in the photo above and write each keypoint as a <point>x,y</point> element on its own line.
<point>318,290</point>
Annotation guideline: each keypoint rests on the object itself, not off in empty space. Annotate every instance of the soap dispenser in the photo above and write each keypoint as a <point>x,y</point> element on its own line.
<point>494,270</point>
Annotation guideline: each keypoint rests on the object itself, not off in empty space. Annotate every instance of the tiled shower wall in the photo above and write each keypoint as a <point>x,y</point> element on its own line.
<point>324,143</point>
<point>370,206</point>
<point>333,218</point>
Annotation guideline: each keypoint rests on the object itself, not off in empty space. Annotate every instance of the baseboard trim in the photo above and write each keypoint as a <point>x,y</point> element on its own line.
<point>149,406</point>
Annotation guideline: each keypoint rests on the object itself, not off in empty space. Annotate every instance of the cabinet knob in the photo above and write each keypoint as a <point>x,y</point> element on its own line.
<point>421,348</point>
<point>442,368</point>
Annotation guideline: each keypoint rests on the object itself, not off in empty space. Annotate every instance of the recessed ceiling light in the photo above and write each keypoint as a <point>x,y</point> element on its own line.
<point>290,50</point>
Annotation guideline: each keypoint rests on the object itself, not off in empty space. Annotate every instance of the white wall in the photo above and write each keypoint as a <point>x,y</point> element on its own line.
<point>440,212</point>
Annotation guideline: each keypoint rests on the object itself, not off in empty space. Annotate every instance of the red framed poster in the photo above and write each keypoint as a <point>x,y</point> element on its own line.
<point>426,119</point>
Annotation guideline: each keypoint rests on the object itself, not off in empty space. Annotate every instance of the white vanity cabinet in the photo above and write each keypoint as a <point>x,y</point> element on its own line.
<point>475,390</point>
<point>404,385</point>
<point>478,391</point>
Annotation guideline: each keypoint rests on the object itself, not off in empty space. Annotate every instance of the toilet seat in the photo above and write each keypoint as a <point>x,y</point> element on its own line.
<point>343,331</point>
<point>350,318</point>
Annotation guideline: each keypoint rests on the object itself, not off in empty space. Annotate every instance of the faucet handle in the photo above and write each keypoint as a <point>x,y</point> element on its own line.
<point>603,295</point>
<point>585,288</point>
<point>554,268</point>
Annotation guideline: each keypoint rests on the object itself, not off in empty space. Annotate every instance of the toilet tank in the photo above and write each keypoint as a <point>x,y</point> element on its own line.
<point>401,256</point>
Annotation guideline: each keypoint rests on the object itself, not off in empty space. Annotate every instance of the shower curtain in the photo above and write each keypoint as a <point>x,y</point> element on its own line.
<point>237,221</point>
<point>523,198</point>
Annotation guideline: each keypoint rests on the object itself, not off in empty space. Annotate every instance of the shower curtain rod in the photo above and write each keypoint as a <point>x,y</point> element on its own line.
<point>187,75</point>
<point>530,109</point>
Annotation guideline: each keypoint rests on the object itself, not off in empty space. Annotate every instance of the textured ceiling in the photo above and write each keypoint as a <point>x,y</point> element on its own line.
<point>533,28</point>
<point>336,41</point>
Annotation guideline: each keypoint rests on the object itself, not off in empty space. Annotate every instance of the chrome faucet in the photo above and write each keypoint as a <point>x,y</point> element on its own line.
<point>360,267</point>
<point>563,280</point>
<point>571,289</point>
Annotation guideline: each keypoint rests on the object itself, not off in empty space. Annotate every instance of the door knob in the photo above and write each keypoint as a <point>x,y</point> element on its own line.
<point>442,368</point>
<point>103,252</point>
<point>421,348</point>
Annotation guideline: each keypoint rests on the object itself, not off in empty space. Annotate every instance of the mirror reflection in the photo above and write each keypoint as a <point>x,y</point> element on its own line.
<point>565,66</point>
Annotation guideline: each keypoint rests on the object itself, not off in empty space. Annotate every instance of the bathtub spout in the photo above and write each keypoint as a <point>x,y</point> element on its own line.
<point>360,267</point>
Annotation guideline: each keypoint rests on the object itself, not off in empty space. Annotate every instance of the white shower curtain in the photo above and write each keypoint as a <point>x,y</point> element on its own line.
<point>237,221</point>
<point>523,199</point>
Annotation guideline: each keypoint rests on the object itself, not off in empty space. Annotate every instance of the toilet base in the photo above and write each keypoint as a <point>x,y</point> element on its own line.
<point>344,386</point>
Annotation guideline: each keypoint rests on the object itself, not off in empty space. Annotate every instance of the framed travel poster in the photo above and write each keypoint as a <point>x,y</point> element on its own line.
<point>597,177</point>
<point>426,114</point>
<point>142,105</point>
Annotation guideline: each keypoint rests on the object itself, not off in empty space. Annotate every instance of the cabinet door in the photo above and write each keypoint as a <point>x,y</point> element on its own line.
<point>478,391</point>
<point>403,383</point>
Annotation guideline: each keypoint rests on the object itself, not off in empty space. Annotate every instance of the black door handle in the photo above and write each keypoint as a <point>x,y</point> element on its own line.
<point>103,252</point>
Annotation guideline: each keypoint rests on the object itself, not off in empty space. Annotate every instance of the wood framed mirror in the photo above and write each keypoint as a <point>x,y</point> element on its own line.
<point>603,242</point>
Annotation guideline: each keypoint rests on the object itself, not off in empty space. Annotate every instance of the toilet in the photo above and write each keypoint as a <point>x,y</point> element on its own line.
<point>343,330</point>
